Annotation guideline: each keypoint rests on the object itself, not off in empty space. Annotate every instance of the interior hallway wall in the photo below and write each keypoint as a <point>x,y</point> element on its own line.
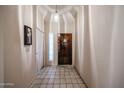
<point>1,50</point>
<point>19,60</point>
<point>83,47</point>
<point>12,60</point>
<point>88,70</point>
<point>117,49</point>
<point>103,35</point>
<point>27,17</point>
<point>79,37</point>
<point>101,27</point>
<point>39,37</point>
<point>46,28</point>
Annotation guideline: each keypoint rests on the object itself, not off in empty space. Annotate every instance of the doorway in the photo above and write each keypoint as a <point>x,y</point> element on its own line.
<point>65,48</point>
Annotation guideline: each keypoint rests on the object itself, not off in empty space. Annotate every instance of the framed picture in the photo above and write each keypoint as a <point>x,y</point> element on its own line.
<point>27,35</point>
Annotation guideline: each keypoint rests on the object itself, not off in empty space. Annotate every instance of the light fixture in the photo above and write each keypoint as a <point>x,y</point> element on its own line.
<point>65,40</point>
<point>56,16</point>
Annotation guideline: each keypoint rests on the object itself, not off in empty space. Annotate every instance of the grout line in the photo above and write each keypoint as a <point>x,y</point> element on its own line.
<point>67,71</point>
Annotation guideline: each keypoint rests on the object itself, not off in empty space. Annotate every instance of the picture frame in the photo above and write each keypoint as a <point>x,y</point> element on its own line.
<point>27,35</point>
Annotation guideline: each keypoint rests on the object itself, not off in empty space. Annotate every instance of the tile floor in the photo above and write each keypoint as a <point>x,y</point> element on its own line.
<point>64,76</point>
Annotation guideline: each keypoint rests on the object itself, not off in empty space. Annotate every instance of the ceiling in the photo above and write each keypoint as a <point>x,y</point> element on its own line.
<point>67,12</point>
<point>59,7</point>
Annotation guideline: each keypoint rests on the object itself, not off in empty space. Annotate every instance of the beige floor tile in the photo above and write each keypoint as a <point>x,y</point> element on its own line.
<point>45,81</point>
<point>72,76</point>
<point>62,76</point>
<point>37,81</point>
<point>49,85</point>
<point>82,86</point>
<point>57,81</point>
<point>47,76</point>
<point>67,73</point>
<point>51,81</point>
<point>43,86</point>
<point>67,76</point>
<point>79,81</point>
<point>62,85</point>
<point>56,86</point>
<point>74,80</point>
<point>58,76</point>
<point>68,80</point>
<point>69,85</point>
<point>76,85</point>
<point>35,86</point>
<point>63,81</point>
<point>77,76</point>
<point>52,76</point>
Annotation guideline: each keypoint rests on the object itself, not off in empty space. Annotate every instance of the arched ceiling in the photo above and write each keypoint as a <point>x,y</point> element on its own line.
<point>66,12</point>
<point>58,7</point>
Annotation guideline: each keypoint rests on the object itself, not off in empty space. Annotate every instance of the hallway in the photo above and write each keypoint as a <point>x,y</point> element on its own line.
<point>63,76</point>
<point>29,41</point>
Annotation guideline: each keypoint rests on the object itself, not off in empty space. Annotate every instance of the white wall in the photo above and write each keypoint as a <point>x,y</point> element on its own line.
<point>1,51</point>
<point>102,64</point>
<point>46,28</point>
<point>19,60</point>
<point>12,55</point>
<point>79,30</point>
<point>117,49</point>
<point>40,37</point>
<point>108,33</point>
<point>40,18</point>
<point>101,27</point>
<point>26,15</point>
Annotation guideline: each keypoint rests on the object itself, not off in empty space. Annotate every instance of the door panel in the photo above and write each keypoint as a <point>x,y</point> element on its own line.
<point>39,49</point>
<point>64,48</point>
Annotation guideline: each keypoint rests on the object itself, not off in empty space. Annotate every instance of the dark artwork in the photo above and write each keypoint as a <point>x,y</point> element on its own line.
<point>65,48</point>
<point>27,35</point>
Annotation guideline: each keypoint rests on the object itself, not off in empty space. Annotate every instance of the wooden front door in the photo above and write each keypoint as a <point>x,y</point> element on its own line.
<point>64,48</point>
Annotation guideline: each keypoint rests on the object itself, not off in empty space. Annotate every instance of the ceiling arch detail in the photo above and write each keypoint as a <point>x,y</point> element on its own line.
<point>66,12</point>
